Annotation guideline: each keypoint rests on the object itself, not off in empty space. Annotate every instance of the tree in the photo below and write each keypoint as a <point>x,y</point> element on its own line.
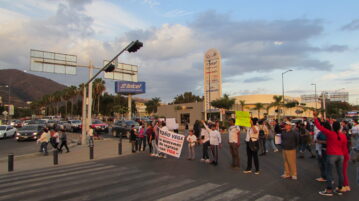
<point>186,97</point>
<point>277,103</point>
<point>242,103</point>
<point>259,106</point>
<point>337,109</point>
<point>98,88</point>
<point>224,103</point>
<point>291,104</point>
<point>151,105</point>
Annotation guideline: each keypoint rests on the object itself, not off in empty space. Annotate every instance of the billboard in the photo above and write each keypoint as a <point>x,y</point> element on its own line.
<point>125,72</point>
<point>126,87</point>
<point>51,62</point>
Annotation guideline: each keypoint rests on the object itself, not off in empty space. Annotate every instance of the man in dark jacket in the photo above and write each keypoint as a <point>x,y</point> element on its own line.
<point>290,140</point>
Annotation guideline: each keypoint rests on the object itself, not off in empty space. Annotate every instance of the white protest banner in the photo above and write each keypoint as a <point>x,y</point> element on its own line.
<point>170,143</point>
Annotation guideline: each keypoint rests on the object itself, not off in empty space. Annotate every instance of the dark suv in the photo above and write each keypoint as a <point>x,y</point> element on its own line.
<point>123,127</point>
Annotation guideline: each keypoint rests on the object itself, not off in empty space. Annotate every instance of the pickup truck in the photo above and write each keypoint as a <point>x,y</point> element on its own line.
<point>123,127</point>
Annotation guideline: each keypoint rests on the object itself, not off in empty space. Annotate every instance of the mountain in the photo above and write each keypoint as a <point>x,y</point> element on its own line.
<point>25,87</point>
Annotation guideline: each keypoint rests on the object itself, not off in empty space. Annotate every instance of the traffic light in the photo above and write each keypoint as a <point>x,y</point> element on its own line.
<point>110,68</point>
<point>135,46</point>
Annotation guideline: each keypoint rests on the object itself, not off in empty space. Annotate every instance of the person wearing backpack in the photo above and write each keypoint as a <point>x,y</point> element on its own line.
<point>252,145</point>
<point>263,133</point>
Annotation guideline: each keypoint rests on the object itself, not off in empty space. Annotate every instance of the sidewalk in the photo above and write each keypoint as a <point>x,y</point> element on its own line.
<point>107,148</point>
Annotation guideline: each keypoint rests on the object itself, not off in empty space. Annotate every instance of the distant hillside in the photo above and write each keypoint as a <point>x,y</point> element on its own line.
<point>25,87</point>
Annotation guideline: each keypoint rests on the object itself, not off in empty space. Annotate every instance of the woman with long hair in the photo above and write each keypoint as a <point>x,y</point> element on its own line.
<point>336,145</point>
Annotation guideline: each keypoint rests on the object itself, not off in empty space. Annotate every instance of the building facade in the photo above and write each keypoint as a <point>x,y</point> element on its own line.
<point>332,96</point>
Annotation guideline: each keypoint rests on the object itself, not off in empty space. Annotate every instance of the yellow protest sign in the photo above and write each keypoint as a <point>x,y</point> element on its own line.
<point>243,119</point>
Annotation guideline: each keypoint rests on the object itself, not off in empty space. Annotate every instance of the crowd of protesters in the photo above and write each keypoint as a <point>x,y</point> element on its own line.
<point>330,142</point>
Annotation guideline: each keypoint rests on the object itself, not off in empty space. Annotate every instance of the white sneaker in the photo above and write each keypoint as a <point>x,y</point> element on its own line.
<point>202,160</point>
<point>208,161</point>
<point>294,177</point>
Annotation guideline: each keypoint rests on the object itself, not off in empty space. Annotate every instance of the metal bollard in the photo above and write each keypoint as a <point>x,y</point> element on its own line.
<point>91,152</point>
<point>120,145</point>
<point>56,157</point>
<point>11,162</point>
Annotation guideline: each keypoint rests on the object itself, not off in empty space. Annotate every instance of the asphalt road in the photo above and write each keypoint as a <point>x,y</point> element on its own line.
<point>140,177</point>
<point>10,145</point>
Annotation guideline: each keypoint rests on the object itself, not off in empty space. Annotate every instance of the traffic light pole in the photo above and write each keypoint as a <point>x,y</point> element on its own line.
<point>129,106</point>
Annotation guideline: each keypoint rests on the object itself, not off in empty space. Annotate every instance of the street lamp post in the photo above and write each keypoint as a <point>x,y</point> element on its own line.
<point>315,94</point>
<point>283,86</point>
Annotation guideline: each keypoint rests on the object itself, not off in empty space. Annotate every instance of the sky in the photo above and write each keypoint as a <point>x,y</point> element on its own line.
<point>258,40</point>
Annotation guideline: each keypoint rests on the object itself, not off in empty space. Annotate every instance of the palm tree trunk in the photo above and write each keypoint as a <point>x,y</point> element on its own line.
<point>98,105</point>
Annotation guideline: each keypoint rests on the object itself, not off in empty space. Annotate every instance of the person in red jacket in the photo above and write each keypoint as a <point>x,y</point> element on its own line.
<point>336,146</point>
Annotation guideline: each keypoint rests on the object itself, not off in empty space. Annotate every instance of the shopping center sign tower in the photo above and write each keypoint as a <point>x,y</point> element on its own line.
<point>212,69</point>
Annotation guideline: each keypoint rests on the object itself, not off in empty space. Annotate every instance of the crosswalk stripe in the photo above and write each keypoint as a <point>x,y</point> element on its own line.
<point>91,185</point>
<point>72,186</point>
<point>228,195</point>
<point>190,193</point>
<point>269,198</point>
<point>41,174</point>
<point>53,168</point>
<point>62,180</point>
<point>158,190</point>
<point>55,176</point>
<point>110,193</point>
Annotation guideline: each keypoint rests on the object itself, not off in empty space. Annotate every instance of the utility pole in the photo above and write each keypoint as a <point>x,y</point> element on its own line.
<point>209,88</point>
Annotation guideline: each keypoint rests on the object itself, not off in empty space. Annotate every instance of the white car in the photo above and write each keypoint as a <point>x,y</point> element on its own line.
<point>7,131</point>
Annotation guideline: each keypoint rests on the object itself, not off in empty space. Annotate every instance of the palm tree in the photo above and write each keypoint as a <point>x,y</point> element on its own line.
<point>151,105</point>
<point>73,93</point>
<point>57,97</point>
<point>277,103</point>
<point>242,103</point>
<point>98,87</point>
<point>259,106</point>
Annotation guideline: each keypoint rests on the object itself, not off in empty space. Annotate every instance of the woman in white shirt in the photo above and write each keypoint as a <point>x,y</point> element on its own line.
<point>214,140</point>
<point>252,147</point>
<point>205,144</point>
<point>191,139</point>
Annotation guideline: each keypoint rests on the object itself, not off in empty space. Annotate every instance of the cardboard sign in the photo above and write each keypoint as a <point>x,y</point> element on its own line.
<point>243,119</point>
<point>170,143</point>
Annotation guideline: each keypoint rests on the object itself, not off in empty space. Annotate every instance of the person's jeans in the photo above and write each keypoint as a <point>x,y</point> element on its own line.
<point>214,149</point>
<point>205,150</point>
<point>322,160</point>
<point>43,147</point>
<point>252,155</point>
<point>262,145</point>
<point>142,141</point>
<point>234,152</point>
<point>191,152</point>
<point>270,143</point>
<point>64,143</point>
<point>134,145</point>
<point>149,145</point>
<point>337,162</point>
<point>154,147</point>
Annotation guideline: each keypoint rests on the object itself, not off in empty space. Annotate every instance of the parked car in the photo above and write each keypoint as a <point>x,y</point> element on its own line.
<point>29,132</point>
<point>99,126</point>
<point>51,123</point>
<point>7,131</point>
<point>73,125</point>
<point>123,127</point>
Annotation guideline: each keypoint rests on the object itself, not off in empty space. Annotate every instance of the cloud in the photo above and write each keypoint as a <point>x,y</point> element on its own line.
<point>177,13</point>
<point>171,60</point>
<point>257,79</point>
<point>336,48</point>
<point>352,26</point>
<point>352,71</point>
